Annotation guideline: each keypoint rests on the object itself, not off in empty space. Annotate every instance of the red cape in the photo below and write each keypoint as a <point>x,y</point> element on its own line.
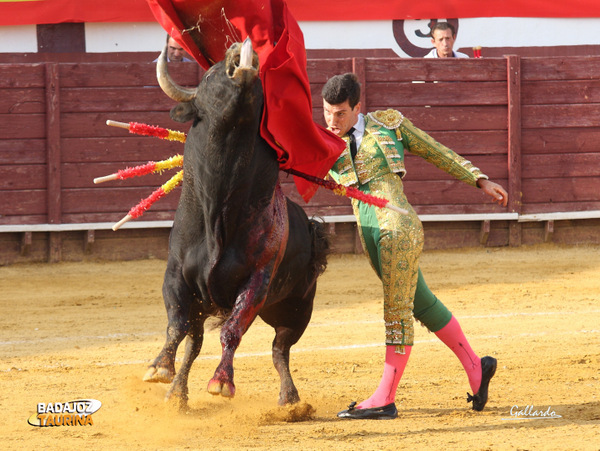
<point>206,29</point>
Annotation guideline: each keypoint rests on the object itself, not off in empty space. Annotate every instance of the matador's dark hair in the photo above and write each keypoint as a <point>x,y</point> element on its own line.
<point>340,88</point>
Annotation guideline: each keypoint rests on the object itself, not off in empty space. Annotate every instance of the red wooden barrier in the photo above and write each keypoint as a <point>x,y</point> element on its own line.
<point>531,124</point>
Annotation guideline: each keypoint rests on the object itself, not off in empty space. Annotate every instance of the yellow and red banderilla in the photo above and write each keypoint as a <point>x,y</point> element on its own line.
<point>148,168</point>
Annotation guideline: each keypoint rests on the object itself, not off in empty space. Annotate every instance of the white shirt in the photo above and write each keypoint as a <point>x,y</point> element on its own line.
<point>359,129</point>
<point>433,54</point>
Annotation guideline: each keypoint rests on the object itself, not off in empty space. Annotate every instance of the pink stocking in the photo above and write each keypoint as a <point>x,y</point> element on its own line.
<point>452,336</point>
<point>392,373</point>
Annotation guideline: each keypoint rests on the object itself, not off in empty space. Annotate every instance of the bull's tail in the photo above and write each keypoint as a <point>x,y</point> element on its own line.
<point>320,247</point>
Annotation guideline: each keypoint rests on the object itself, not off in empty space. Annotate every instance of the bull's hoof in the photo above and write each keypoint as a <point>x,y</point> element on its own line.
<point>289,399</point>
<point>159,375</point>
<point>226,389</point>
<point>176,399</point>
<point>177,404</point>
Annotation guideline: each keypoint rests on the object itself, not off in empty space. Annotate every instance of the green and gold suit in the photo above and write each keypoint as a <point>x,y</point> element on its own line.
<point>392,241</point>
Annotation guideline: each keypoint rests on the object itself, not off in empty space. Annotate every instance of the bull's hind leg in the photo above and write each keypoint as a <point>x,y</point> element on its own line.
<point>178,301</point>
<point>289,319</point>
<point>179,389</point>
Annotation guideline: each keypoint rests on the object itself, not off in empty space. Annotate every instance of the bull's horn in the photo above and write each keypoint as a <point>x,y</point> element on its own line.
<point>169,87</point>
<point>246,53</point>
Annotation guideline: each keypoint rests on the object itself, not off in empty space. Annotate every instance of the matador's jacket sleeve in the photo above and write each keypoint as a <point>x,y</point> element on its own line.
<point>420,143</point>
<point>392,133</point>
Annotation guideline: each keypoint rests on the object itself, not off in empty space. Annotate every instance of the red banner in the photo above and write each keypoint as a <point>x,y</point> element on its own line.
<point>435,9</point>
<point>26,12</point>
<point>23,12</point>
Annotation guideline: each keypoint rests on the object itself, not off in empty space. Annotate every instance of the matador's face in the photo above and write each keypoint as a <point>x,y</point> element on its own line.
<point>341,117</point>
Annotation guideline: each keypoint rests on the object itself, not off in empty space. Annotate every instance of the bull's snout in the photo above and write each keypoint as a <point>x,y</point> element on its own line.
<point>242,61</point>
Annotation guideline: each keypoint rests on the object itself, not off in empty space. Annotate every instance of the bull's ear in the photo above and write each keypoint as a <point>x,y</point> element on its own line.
<point>184,112</point>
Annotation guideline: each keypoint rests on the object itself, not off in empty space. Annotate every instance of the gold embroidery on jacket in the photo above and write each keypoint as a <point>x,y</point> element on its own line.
<point>423,145</point>
<point>389,119</point>
<point>388,146</point>
<point>374,137</point>
<point>367,165</point>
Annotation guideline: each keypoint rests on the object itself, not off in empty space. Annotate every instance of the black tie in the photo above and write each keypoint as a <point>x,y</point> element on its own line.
<point>352,142</point>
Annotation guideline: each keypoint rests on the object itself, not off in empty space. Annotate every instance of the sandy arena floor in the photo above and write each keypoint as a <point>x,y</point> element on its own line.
<point>88,330</point>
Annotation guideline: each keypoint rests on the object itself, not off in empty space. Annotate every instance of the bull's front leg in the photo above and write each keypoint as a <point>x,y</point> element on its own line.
<point>178,301</point>
<point>178,393</point>
<point>244,312</point>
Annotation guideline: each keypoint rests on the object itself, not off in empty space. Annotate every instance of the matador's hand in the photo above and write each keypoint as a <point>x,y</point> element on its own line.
<point>494,190</point>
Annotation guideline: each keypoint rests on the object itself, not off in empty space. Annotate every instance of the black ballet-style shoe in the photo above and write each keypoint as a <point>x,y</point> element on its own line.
<point>388,412</point>
<point>488,369</point>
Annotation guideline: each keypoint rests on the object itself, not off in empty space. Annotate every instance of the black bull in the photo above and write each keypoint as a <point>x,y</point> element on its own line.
<point>238,246</point>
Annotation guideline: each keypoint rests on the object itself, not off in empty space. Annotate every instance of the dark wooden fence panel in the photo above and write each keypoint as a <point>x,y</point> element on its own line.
<point>407,93</point>
<point>475,142</point>
<point>126,150</point>
<point>561,140</point>
<point>111,200</point>
<point>445,118</point>
<point>111,99</point>
<point>135,75</point>
<point>420,170</point>
<point>20,206</point>
<point>23,177</point>
<point>22,151</point>
<point>545,195</point>
<point>561,68</point>
<point>553,116</point>
<point>560,130</point>
<point>563,166</point>
<point>540,92</point>
<point>23,154</point>
<point>91,125</point>
<point>22,101</point>
<point>23,126</point>
<point>320,70</point>
<point>422,69</point>
<point>26,76</point>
